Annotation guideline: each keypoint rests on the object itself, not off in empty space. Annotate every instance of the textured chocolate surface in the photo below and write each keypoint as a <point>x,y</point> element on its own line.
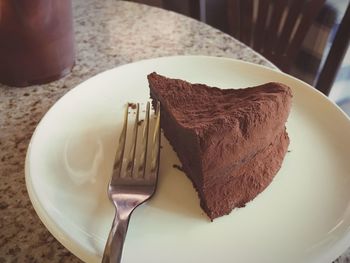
<point>230,142</point>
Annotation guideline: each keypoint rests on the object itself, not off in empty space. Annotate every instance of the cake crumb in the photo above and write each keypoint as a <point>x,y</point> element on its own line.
<point>132,105</point>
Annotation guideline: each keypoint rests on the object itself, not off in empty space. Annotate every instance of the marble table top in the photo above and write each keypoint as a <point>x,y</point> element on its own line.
<point>108,33</point>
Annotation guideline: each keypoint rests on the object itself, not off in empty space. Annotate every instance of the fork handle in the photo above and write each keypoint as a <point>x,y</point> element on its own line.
<point>114,246</point>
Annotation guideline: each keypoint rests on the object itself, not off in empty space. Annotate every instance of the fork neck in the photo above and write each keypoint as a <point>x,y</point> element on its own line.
<point>116,238</point>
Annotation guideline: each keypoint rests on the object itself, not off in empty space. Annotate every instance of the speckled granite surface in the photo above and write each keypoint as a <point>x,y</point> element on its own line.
<point>108,33</point>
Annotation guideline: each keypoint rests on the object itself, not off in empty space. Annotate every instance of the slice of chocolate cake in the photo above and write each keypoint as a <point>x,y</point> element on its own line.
<point>231,142</point>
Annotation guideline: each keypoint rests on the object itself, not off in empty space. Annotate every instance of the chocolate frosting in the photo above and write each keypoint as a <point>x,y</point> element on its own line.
<point>231,142</point>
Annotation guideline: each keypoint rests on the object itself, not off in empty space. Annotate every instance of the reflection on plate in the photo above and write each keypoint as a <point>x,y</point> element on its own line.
<point>303,216</point>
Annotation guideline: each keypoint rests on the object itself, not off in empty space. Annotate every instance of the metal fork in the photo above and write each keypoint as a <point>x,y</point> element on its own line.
<point>131,187</point>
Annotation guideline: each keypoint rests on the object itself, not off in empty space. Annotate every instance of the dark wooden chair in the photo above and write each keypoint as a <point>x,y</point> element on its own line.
<point>335,56</point>
<point>277,28</point>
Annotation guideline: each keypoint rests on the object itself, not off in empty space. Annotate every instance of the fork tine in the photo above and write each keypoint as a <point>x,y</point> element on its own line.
<point>131,157</point>
<point>144,144</point>
<point>126,193</point>
<point>155,145</point>
<point>120,151</point>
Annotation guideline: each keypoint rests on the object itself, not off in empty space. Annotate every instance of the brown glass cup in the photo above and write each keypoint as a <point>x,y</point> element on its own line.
<point>36,41</point>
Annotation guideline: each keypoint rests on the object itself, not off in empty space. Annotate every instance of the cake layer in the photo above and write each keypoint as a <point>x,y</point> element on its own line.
<point>230,142</point>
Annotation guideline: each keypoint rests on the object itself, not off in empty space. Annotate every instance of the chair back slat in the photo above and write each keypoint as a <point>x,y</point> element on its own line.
<point>291,17</point>
<point>246,20</point>
<point>260,24</point>
<point>308,15</point>
<point>272,28</point>
<point>233,7</point>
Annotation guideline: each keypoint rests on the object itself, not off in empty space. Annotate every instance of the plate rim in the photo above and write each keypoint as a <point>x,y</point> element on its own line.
<point>72,245</point>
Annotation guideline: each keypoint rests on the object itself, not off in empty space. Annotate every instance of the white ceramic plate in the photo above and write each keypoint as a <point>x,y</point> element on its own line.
<point>303,216</point>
